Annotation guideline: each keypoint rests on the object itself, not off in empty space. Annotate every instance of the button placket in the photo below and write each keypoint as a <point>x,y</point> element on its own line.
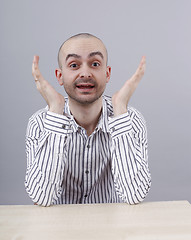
<point>87,164</point>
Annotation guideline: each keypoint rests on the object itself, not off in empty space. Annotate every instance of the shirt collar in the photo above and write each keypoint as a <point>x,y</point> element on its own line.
<point>103,120</point>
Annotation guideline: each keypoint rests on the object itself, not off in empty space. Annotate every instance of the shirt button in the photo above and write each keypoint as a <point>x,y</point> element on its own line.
<point>79,130</point>
<point>63,126</point>
<point>88,146</point>
<point>85,195</point>
<point>112,129</point>
<point>87,171</point>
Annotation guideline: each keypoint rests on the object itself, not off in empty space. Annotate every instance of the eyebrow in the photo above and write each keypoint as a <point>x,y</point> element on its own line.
<point>72,55</point>
<point>92,54</point>
<point>96,53</point>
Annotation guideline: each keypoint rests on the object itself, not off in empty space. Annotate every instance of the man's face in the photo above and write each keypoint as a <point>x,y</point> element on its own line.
<point>84,72</point>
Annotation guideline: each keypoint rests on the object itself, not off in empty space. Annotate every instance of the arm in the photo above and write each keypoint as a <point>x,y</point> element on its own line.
<point>45,141</point>
<point>129,144</point>
<point>130,156</point>
<point>45,156</point>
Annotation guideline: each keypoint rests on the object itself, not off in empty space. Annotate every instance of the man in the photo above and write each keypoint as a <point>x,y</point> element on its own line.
<point>86,148</point>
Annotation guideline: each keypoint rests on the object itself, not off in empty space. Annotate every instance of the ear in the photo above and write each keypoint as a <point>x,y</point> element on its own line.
<point>108,73</point>
<point>58,73</point>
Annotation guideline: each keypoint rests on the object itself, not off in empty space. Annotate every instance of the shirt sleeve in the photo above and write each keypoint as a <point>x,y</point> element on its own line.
<point>45,141</point>
<point>130,169</point>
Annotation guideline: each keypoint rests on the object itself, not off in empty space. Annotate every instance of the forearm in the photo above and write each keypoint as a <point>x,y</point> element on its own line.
<point>45,156</point>
<point>131,173</point>
<point>43,175</point>
<point>130,159</point>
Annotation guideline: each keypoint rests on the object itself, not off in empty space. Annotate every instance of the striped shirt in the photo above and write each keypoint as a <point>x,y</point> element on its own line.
<point>66,166</point>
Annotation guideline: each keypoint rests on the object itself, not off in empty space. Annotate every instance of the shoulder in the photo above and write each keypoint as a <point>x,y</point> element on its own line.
<point>39,114</point>
<point>36,121</point>
<point>135,114</point>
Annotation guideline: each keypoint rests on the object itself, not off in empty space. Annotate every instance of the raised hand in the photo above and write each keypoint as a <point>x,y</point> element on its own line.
<point>121,98</point>
<point>54,99</point>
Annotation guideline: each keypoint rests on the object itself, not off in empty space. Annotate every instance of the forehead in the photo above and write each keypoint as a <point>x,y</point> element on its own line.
<point>82,47</point>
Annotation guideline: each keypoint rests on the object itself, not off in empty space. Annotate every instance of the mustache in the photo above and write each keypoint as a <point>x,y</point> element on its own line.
<point>89,80</point>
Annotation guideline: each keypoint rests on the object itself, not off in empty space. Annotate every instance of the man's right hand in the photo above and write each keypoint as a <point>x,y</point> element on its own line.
<point>54,99</point>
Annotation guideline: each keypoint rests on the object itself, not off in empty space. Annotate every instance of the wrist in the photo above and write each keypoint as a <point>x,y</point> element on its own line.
<point>56,110</point>
<point>119,110</point>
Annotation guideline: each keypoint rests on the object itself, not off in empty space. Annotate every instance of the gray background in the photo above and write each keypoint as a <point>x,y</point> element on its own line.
<point>160,30</point>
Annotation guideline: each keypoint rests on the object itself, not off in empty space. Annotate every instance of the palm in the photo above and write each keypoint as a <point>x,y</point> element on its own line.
<point>54,99</point>
<point>121,98</point>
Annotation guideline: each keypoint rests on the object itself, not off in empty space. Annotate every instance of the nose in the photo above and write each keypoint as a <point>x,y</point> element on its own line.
<point>85,72</point>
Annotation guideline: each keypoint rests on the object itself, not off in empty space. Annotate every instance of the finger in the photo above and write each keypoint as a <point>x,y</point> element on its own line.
<point>142,64</point>
<point>35,68</point>
<point>36,59</point>
<point>141,69</point>
<point>35,62</point>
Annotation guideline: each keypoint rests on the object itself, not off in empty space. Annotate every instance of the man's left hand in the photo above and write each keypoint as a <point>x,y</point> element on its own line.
<point>121,98</point>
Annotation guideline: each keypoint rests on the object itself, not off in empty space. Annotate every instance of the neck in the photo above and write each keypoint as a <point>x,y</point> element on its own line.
<point>86,115</point>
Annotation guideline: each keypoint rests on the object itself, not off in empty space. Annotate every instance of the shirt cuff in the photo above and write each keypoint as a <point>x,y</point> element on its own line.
<point>57,123</point>
<point>120,124</point>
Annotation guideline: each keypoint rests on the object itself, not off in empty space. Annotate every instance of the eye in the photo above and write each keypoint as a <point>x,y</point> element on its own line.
<point>95,64</point>
<point>73,65</point>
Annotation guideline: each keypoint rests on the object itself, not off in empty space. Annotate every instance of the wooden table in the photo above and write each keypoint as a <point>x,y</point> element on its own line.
<point>149,220</point>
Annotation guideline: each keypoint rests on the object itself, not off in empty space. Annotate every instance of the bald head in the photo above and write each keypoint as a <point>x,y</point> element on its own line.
<point>81,36</point>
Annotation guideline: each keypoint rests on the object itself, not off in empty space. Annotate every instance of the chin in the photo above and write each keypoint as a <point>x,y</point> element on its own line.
<point>86,99</point>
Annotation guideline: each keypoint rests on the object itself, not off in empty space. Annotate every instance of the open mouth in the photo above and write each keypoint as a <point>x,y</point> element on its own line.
<point>85,86</point>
